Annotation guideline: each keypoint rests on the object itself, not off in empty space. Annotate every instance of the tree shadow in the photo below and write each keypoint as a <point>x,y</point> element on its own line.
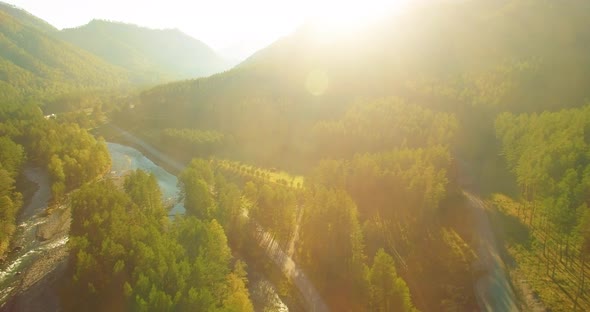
<point>513,231</point>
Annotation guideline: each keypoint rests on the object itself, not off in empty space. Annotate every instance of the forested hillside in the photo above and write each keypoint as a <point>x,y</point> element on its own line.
<point>382,192</point>
<point>473,58</point>
<point>39,61</point>
<point>342,164</point>
<point>26,18</point>
<point>386,126</point>
<point>151,55</point>
<point>34,63</point>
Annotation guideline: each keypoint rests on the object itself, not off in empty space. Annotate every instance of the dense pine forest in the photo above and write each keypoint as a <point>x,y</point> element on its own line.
<point>348,171</point>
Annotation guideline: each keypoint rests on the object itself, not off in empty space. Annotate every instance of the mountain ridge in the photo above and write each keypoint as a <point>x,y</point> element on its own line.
<point>27,18</point>
<point>33,62</point>
<point>170,53</point>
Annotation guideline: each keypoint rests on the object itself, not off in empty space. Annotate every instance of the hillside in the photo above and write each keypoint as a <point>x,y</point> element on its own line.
<point>33,62</point>
<point>150,54</point>
<point>26,18</point>
<point>401,118</point>
<point>355,171</point>
<point>469,57</point>
<point>468,47</point>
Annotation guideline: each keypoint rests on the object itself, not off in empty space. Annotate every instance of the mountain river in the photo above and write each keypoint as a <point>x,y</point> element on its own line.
<point>39,244</point>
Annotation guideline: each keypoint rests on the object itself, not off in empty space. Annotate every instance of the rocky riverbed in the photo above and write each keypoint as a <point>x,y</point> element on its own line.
<point>39,287</point>
<point>30,276</point>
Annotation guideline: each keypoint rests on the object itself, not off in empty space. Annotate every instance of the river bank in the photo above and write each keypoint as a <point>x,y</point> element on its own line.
<point>28,279</point>
<point>39,290</point>
<point>125,158</point>
<point>262,290</point>
<point>112,133</point>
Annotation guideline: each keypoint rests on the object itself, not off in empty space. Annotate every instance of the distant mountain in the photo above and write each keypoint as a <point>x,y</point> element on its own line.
<point>34,62</point>
<point>484,52</point>
<point>26,18</point>
<point>152,55</point>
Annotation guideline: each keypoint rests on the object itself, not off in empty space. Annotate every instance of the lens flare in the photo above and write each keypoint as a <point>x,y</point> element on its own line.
<point>317,82</point>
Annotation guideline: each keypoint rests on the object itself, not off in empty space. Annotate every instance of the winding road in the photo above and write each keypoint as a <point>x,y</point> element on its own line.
<point>492,289</point>
<point>281,259</point>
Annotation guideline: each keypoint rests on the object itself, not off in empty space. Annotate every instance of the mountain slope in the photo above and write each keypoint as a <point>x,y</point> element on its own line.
<point>463,46</point>
<point>152,54</point>
<point>33,62</point>
<point>463,56</point>
<point>26,18</point>
<point>471,58</point>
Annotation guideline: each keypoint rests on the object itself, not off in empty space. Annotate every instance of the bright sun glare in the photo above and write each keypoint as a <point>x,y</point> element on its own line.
<point>336,18</point>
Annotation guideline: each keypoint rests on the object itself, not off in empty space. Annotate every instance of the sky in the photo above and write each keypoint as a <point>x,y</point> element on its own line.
<point>232,27</point>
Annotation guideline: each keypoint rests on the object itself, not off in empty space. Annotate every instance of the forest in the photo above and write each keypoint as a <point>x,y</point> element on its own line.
<point>402,143</point>
<point>71,155</point>
<point>548,154</point>
<point>356,161</point>
<point>128,256</point>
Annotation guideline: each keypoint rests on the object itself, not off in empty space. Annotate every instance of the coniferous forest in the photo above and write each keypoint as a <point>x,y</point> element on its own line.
<point>438,160</point>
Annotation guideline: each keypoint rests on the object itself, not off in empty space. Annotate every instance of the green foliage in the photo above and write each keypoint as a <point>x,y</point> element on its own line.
<point>73,156</point>
<point>537,254</point>
<point>70,154</point>
<point>273,208</point>
<point>389,292</point>
<point>12,156</point>
<point>381,125</point>
<point>126,255</point>
<point>549,156</point>
<point>404,185</point>
<point>10,203</point>
<point>399,194</point>
<point>331,246</point>
<point>455,260</point>
<point>267,175</point>
<point>143,189</point>
<point>452,69</point>
<point>196,187</point>
<point>229,207</point>
<point>33,62</point>
<point>193,142</point>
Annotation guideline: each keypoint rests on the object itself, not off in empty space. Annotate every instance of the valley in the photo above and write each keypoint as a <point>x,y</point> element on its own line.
<point>434,158</point>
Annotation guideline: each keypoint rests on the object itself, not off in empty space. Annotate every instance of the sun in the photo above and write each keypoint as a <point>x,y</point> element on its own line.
<point>334,18</point>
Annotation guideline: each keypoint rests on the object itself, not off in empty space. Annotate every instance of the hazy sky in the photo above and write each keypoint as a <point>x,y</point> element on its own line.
<point>222,24</point>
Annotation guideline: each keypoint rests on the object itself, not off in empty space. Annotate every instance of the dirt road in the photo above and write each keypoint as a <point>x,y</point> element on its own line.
<point>493,291</point>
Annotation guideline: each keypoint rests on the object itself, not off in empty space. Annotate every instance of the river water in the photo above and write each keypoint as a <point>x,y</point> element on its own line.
<point>124,159</point>
<point>31,249</point>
